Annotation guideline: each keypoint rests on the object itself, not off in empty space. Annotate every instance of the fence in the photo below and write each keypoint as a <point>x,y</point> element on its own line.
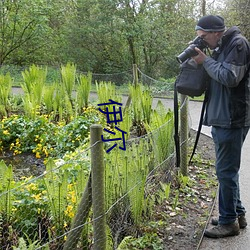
<point>95,202</point>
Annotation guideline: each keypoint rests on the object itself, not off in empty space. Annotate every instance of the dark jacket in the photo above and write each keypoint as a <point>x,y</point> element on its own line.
<point>228,103</point>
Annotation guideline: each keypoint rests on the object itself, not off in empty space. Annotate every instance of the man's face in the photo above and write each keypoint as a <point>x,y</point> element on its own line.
<point>211,38</point>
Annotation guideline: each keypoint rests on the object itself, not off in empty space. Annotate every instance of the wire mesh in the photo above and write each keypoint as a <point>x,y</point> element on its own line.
<point>43,211</point>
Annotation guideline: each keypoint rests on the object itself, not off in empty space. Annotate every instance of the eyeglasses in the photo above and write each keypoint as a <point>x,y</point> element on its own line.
<point>203,36</point>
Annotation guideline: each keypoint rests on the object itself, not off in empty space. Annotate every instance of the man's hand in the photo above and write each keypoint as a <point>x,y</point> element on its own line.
<point>200,58</point>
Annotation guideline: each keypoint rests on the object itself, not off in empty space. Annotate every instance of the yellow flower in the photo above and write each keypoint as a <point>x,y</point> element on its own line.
<point>6,132</point>
<point>37,196</point>
<point>31,187</point>
<point>38,155</point>
<point>73,199</point>
<point>69,211</point>
<point>12,145</point>
<point>14,209</point>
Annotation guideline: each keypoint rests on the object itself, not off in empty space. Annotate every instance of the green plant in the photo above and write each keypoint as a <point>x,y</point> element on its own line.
<point>68,74</point>
<point>48,98</point>
<point>56,187</point>
<point>43,137</point>
<point>83,91</point>
<point>34,81</point>
<point>29,245</point>
<point>147,241</point>
<point>125,175</point>
<point>126,123</point>
<point>106,91</point>
<point>141,103</point>
<point>6,196</point>
<point>183,180</point>
<point>161,128</point>
<point>30,208</point>
<point>5,90</point>
<point>176,199</point>
<point>164,191</point>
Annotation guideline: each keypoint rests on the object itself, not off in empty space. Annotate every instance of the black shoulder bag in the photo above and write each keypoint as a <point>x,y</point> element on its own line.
<point>191,81</point>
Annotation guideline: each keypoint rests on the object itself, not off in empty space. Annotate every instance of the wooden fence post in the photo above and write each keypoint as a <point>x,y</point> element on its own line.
<point>135,74</point>
<point>98,194</point>
<point>184,135</point>
<point>135,82</point>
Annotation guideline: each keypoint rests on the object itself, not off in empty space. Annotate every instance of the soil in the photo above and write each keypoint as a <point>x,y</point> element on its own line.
<point>25,164</point>
<point>186,223</point>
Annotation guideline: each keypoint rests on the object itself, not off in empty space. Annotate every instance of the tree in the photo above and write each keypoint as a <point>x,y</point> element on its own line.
<point>237,13</point>
<point>21,21</point>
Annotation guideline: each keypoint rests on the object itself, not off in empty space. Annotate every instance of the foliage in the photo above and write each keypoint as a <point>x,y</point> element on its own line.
<point>30,204</point>
<point>68,74</point>
<point>44,138</point>
<point>83,90</point>
<point>147,241</point>
<point>22,245</point>
<point>107,91</point>
<point>23,28</point>
<point>34,81</point>
<point>106,36</point>
<point>5,90</point>
<point>46,205</point>
<point>161,127</point>
<point>6,184</point>
<point>141,106</point>
<point>51,200</point>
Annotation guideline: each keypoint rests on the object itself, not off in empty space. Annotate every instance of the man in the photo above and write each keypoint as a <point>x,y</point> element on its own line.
<point>228,112</point>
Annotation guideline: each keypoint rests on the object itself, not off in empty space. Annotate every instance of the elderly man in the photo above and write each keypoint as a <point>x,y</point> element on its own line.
<point>228,112</point>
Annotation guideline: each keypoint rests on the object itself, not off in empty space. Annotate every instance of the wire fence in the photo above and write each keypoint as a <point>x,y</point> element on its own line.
<point>55,210</point>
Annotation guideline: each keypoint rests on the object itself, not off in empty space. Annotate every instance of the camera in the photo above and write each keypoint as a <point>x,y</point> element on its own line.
<point>190,51</point>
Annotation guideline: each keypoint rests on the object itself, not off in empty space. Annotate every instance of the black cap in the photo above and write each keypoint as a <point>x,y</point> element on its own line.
<point>210,23</point>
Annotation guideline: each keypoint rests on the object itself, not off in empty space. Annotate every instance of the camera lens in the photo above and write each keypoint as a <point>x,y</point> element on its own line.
<point>187,53</point>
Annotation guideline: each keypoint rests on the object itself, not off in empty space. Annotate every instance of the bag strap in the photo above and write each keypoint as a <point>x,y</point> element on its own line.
<point>199,127</point>
<point>176,126</point>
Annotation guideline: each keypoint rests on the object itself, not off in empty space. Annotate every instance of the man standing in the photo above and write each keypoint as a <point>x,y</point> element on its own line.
<point>228,112</point>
